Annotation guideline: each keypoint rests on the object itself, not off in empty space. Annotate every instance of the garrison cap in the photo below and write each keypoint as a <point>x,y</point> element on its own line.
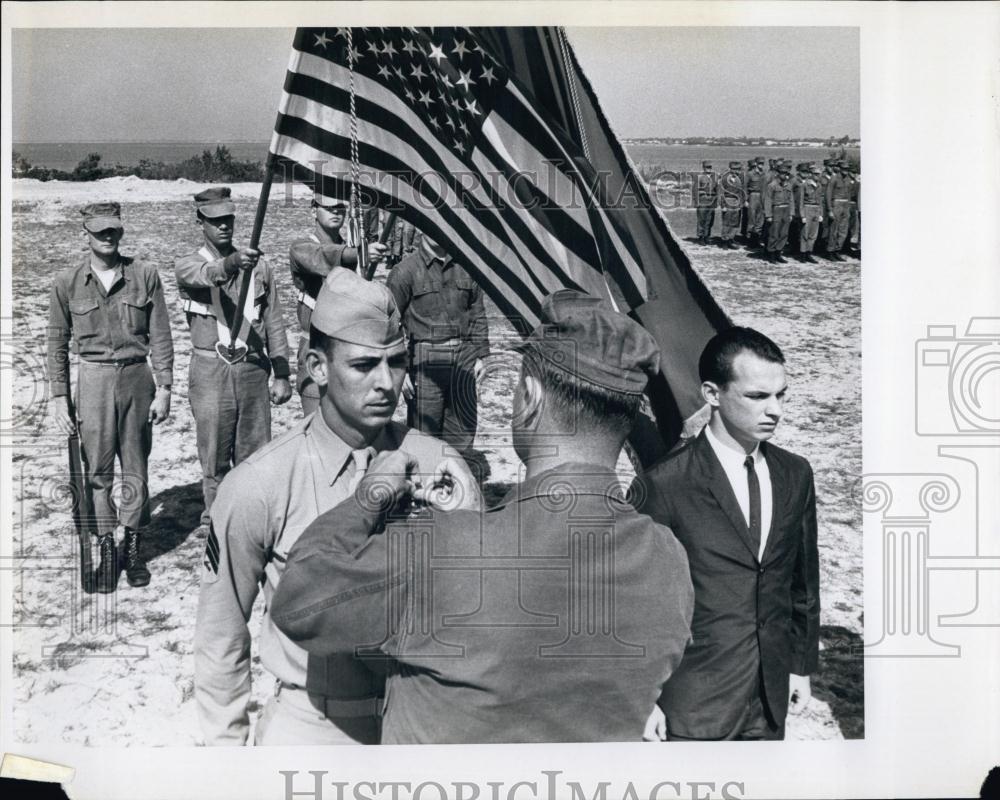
<point>99,217</point>
<point>354,310</point>
<point>585,337</point>
<point>215,202</point>
<point>325,201</point>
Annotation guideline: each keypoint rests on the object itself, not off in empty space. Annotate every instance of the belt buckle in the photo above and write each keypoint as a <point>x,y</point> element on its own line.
<point>230,353</point>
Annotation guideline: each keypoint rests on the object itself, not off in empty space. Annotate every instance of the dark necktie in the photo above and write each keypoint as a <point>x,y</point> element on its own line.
<point>754,485</point>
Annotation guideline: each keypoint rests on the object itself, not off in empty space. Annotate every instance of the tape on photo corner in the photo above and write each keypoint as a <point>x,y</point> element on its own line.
<point>30,769</point>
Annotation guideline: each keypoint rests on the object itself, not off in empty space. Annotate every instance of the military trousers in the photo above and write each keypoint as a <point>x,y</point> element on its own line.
<point>810,227</point>
<point>853,225</point>
<point>777,236</point>
<point>231,405</point>
<point>756,214</point>
<point>444,402</point>
<point>840,219</point>
<point>730,223</point>
<point>706,219</point>
<point>292,716</point>
<point>112,410</point>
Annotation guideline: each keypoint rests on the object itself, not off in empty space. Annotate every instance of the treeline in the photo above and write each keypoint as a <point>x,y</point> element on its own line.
<point>217,167</point>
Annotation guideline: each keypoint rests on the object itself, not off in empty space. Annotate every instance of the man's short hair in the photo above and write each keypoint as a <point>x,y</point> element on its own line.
<point>580,403</point>
<point>716,362</point>
<point>320,341</point>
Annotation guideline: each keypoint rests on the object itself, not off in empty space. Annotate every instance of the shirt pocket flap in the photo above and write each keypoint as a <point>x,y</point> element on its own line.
<point>82,306</point>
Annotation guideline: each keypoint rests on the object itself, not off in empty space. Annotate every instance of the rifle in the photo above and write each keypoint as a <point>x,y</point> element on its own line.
<point>390,222</point>
<point>83,508</point>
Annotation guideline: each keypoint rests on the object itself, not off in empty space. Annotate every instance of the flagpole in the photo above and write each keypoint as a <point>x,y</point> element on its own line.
<point>258,224</point>
<point>390,220</point>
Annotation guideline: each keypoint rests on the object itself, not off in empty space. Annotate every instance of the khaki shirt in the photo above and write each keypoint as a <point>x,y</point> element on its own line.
<point>310,261</point>
<point>128,321</point>
<point>262,507</point>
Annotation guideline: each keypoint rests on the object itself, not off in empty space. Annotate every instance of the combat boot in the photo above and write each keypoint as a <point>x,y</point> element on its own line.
<point>107,570</point>
<point>136,572</point>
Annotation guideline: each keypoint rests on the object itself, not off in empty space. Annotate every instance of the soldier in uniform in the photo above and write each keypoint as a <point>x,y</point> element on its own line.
<point>838,202</point>
<point>808,202</point>
<point>358,356</point>
<point>229,391</point>
<point>112,308</point>
<point>778,213</point>
<point>731,196</point>
<point>310,261</point>
<point>755,203</point>
<point>445,319</point>
<point>854,226</point>
<point>507,631</point>
<point>745,210</point>
<point>794,226</point>
<point>824,226</point>
<point>706,198</point>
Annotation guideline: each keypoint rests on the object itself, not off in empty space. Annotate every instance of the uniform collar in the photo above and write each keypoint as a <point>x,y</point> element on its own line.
<point>577,477</point>
<point>426,259</point>
<point>334,454</point>
<point>119,269</point>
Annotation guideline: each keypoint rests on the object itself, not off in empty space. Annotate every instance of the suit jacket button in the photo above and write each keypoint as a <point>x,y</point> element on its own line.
<point>760,624</point>
<point>761,570</point>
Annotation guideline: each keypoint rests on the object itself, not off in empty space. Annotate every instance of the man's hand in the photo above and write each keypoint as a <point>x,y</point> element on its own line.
<point>61,416</point>
<point>478,369</point>
<point>160,409</point>
<point>656,726</point>
<point>248,257</point>
<point>281,391</point>
<point>448,491</point>
<point>767,219</point>
<point>377,251</point>
<point>408,391</point>
<point>388,480</point>
<point>799,693</point>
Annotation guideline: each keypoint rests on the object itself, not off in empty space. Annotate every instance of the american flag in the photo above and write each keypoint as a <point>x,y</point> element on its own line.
<point>450,138</point>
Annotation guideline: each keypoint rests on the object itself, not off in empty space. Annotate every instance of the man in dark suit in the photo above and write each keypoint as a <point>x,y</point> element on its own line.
<point>745,511</point>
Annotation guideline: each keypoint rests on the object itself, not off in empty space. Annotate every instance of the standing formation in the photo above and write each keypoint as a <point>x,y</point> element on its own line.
<point>814,211</point>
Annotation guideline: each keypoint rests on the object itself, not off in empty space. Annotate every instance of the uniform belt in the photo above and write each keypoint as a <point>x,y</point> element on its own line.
<point>115,362</point>
<point>445,343</point>
<point>210,352</point>
<point>194,307</point>
<point>332,707</point>
<point>841,200</point>
<point>307,300</point>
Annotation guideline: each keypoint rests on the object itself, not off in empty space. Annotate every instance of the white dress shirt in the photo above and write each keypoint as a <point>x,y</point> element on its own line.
<point>733,465</point>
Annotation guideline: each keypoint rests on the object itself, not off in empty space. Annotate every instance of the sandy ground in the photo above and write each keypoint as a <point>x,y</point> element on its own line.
<point>117,670</point>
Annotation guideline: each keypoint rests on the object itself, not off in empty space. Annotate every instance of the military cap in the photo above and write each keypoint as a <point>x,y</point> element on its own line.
<point>325,201</point>
<point>784,169</point>
<point>706,164</point>
<point>760,159</point>
<point>354,310</point>
<point>99,217</point>
<point>584,336</point>
<point>827,162</point>
<point>215,202</point>
<point>751,162</point>
<point>734,165</point>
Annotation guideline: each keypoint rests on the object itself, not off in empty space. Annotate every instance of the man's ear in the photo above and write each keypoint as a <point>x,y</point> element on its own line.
<point>316,367</point>
<point>710,391</point>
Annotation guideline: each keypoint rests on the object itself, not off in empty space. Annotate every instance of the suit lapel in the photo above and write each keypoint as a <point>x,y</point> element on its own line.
<point>779,495</point>
<point>718,484</point>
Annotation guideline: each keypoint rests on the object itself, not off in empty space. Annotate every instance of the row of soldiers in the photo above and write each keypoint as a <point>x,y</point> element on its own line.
<point>111,311</point>
<point>817,209</point>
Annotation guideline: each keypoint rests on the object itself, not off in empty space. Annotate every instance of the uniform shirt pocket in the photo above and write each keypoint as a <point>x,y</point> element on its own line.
<point>86,318</point>
<point>137,310</point>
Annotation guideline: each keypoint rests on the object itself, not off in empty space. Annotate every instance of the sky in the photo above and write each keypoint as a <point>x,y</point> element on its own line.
<point>223,84</point>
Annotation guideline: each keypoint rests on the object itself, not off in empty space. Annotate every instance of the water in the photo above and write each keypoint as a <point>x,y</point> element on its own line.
<point>677,157</point>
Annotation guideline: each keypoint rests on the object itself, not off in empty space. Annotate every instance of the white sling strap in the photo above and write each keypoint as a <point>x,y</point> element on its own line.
<point>216,310</point>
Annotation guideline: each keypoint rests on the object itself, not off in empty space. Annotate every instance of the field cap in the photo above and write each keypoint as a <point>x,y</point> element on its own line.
<point>585,337</point>
<point>734,165</point>
<point>784,169</point>
<point>354,310</point>
<point>751,162</point>
<point>760,160</point>
<point>99,217</point>
<point>325,201</point>
<point>706,164</point>
<point>215,202</point>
